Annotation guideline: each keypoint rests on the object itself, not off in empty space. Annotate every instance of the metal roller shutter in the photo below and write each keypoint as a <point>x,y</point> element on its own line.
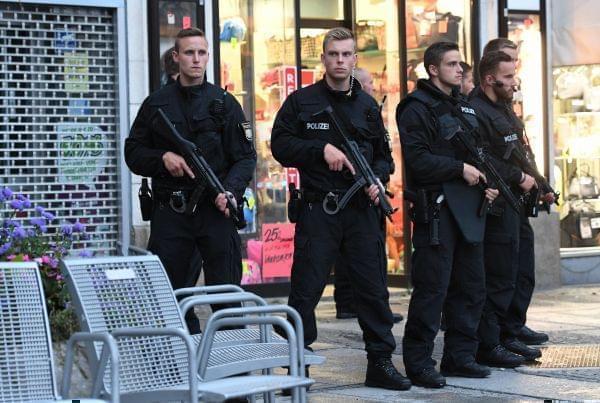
<point>59,130</point>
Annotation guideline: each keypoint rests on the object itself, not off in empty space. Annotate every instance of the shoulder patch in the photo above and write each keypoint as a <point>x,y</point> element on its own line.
<point>246,128</point>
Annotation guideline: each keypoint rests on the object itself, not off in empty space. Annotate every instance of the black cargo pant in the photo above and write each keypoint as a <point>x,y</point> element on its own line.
<point>501,256</point>
<point>452,272</point>
<point>320,238</point>
<point>342,291</point>
<point>342,287</point>
<point>174,237</point>
<point>517,311</point>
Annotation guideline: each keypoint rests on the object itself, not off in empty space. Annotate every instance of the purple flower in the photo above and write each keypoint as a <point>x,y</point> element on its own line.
<point>26,203</point>
<point>48,215</point>
<point>4,248</point>
<point>78,227</point>
<point>66,229</point>
<point>38,222</point>
<point>40,209</point>
<point>19,233</point>
<point>11,223</point>
<point>17,204</point>
<point>86,253</point>
<point>7,193</point>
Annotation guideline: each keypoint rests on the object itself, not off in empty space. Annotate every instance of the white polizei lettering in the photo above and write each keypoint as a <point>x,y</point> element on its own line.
<point>470,111</point>
<point>510,138</point>
<point>317,126</point>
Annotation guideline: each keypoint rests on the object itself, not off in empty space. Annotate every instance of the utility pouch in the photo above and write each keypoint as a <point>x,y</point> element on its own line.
<point>145,196</point>
<point>421,207</point>
<point>294,204</point>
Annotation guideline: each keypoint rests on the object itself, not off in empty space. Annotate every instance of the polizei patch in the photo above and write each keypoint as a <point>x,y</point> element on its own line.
<point>317,126</point>
<point>465,109</point>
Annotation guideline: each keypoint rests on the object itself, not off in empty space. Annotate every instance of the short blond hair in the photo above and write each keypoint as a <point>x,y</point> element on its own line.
<point>338,34</point>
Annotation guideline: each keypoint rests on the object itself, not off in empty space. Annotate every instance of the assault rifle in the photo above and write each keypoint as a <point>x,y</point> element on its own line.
<point>522,155</point>
<point>482,161</point>
<point>203,173</point>
<point>364,174</point>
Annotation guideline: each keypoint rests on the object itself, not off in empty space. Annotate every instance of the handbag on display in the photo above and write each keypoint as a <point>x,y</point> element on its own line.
<point>583,186</point>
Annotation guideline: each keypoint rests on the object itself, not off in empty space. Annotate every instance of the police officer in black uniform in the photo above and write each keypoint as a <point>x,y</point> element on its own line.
<point>304,138</point>
<point>514,322</point>
<point>448,232</point>
<point>503,131</point>
<point>342,291</point>
<point>214,121</point>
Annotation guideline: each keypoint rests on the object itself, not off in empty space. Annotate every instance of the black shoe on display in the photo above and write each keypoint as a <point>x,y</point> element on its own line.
<point>345,315</point>
<point>429,378</point>
<point>381,373</point>
<point>499,357</point>
<point>468,370</point>
<point>531,337</point>
<point>518,347</point>
<point>398,317</point>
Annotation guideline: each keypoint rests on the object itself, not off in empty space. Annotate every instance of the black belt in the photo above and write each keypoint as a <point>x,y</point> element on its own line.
<point>178,199</point>
<point>333,201</point>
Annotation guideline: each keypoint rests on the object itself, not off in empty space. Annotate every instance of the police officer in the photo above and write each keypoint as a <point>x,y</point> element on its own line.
<point>514,322</point>
<point>448,231</point>
<point>503,131</point>
<point>304,138</point>
<point>214,121</point>
<point>342,292</point>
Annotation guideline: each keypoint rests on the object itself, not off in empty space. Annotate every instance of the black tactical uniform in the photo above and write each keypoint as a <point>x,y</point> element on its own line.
<point>447,264</point>
<point>342,291</point>
<point>214,121</point>
<point>501,248</point>
<point>510,266</point>
<point>298,140</point>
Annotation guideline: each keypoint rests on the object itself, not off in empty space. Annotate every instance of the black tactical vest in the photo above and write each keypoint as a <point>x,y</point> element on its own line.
<point>463,200</point>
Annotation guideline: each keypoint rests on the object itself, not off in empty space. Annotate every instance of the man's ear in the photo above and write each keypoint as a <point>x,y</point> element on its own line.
<point>176,56</point>
<point>433,70</point>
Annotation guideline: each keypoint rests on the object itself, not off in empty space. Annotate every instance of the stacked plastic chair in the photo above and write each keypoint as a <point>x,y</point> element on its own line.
<point>26,362</point>
<point>131,299</point>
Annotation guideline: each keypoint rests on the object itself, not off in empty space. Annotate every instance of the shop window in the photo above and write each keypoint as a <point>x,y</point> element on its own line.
<point>318,9</point>
<point>576,114</point>
<point>258,66</point>
<point>376,28</point>
<point>430,21</point>
<point>524,31</point>
<point>166,19</point>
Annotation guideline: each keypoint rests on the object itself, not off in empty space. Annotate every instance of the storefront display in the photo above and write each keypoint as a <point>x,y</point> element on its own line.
<point>430,21</point>
<point>525,31</point>
<point>577,152</point>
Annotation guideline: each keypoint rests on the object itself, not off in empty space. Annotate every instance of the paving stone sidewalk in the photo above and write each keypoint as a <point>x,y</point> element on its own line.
<point>570,315</point>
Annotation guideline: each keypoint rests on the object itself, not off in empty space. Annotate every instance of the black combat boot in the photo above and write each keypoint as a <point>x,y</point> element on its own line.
<point>531,337</point>
<point>381,373</point>
<point>468,370</point>
<point>518,347</point>
<point>499,357</point>
<point>428,378</point>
